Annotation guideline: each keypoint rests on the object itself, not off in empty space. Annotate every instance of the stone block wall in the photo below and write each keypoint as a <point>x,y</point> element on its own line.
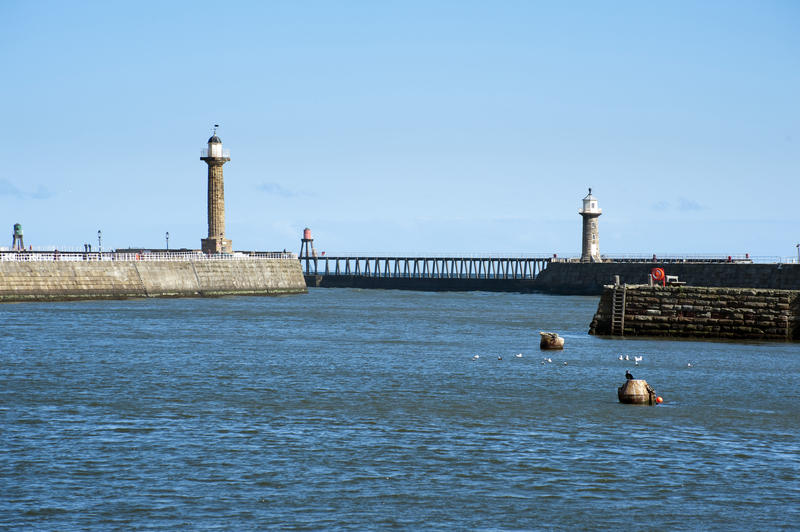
<point>23,281</point>
<point>65,280</point>
<point>162,279</point>
<point>589,278</point>
<point>704,312</point>
<point>276,276</point>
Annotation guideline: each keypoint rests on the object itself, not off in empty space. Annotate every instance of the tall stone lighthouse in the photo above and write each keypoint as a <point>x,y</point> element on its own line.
<point>590,248</point>
<point>215,157</point>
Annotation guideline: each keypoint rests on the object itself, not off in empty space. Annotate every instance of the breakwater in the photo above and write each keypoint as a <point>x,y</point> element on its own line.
<point>565,278</point>
<point>698,312</point>
<point>589,278</point>
<point>41,280</point>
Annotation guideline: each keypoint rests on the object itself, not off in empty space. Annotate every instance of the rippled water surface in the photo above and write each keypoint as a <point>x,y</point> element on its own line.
<point>364,409</point>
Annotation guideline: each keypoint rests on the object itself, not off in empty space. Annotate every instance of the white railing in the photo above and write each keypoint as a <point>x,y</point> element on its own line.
<point>422,255</point>
<point>620,257</point>
<point>145,257</point>
<point>182,256</point>
<point>225,153</point>
<point>698,257</point>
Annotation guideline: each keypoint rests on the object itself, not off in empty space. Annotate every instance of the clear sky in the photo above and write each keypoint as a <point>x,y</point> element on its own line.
<point>405,126</point>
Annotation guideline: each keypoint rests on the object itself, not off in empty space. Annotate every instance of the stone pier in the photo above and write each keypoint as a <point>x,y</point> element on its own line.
<point>701,312</point>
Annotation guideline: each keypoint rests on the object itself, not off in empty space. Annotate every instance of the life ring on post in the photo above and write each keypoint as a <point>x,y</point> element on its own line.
<point>658,275</point>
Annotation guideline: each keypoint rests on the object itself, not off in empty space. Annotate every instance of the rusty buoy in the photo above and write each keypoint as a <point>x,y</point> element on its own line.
<point>636,392</point>
<point>551,340</point>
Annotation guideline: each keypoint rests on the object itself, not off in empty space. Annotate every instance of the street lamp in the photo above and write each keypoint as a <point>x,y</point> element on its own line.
<point>167,240</point>
<point>99,241</point>
<point>798,253</point>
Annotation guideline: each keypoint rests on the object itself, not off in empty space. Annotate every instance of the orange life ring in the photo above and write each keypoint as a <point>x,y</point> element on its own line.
<point>657,274</point>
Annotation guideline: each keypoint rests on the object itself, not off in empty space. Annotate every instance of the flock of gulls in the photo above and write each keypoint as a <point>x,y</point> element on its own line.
<point>638,359</point>
<point>545,360</point>
<point>548,360</point>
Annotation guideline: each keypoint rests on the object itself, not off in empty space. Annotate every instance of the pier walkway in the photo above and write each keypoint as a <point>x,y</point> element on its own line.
<point>507,273</point>
<point>444,267</point>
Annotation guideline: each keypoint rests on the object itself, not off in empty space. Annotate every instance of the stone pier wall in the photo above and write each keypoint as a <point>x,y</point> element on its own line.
<point>589,278</point>
<point>703,312</point>
<point>57,280</point>
<point>577,278</point>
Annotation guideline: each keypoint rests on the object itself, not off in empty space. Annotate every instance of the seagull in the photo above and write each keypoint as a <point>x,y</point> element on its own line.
<point>476,357</point>
<point>518,355</point>
<point>549,359</point>
<point>626,357</point>
<point>565,362</point>
<point>689,365</point>
<point>500,358</point>
<point>621,357</point>
<point>637,359</point>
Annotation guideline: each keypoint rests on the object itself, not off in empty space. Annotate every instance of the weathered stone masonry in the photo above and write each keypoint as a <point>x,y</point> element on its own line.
<point>589,278</point>
<point>54,281</point>
<point>703,312</point>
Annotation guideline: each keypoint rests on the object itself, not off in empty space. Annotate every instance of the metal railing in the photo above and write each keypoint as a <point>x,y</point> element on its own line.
<point>27,256</point>
<point>701,257</point>
<point>617,257</point>
<point>225,153</point>
<point>467,254</point>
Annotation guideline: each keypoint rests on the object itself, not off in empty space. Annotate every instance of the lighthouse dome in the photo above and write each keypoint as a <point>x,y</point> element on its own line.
<point>214,140</point>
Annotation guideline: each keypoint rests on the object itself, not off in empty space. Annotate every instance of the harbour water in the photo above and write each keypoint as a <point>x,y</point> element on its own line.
<point>364,409</point>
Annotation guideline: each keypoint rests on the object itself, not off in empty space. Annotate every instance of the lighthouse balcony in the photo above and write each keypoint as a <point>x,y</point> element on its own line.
<point>205,152</point>
<point>596,210</point>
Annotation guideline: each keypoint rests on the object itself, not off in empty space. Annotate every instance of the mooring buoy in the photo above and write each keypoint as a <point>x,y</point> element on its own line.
<point>636,392</point>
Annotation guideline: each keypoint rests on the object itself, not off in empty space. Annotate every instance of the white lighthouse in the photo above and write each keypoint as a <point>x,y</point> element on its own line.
<point>590,248</point>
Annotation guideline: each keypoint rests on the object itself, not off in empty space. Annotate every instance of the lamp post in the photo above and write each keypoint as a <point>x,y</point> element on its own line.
<point>99,241</point>
<point>798,253</point>
<point>167,240</point>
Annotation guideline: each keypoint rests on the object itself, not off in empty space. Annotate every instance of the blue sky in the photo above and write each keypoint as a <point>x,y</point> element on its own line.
<point>405,127</point>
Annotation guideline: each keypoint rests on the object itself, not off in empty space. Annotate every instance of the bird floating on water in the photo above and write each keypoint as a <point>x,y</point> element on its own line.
<point>500,358</point>
<point>689,365</point>
<point>518,355</point>
<point>476,357</point>
<point>621,357</point>
<point>627,357</point>
<point>637,359</point>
